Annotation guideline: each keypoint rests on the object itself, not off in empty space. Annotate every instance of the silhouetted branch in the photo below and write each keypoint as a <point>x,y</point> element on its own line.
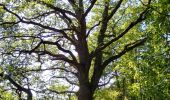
<point>90,7</point>
<point>54,68</point>
<point>115,9</point>
<point>93,28</point>
<point>127,48</point>
<point>65,78</point>
<point>63,11</point>
<point>62,92</point>
<point>141,17</point>
<point>61,31</point>
<point>55,56</point>
<point>19,87</point>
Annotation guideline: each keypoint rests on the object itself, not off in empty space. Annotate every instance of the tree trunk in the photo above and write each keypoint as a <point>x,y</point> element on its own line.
<point>85,93</point>
<point>29,95</point>
<point>85,88</point>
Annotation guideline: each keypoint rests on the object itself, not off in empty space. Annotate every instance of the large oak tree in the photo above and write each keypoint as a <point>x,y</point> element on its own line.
<point>47,44</point>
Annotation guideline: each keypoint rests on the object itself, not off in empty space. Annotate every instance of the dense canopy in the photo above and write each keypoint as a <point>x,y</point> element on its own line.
<point>85,49</point>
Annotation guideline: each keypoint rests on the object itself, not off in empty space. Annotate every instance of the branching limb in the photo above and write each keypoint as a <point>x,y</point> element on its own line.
<point>93,28</point>
<point>115,9</point>
<point>61,31</point>
<point>41,15</point>
<point>66,51</point>
<point>68,80</point>
<point>72,2</point>
<point>54,68</point>
<point>62,92</point>
<point>63,11</point>
<point>9,23</point>
<point>55,56</point>
<point>19,87</point>
<point>141,17</point>
<point>99,70</point>
<point>104,84</point>
<point>59,47</point>
<point>127,48</point>
<point>90,7</point>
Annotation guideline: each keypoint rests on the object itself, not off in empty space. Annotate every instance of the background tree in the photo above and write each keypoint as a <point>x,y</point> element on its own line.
<point>51,47</point>
<point>143,72</point>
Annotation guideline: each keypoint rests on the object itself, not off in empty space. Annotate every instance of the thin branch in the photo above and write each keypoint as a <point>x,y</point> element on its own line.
<point>104,84</point>
<point>69,81</point>
<point>13,23</point>
<point>36,47</point>
<point>58,46</point>
<point>24,36</point>
<point>141,17</point>
<point>19,87</point>
<point>40,15</point>
<point>44,42</point>
<point>127,48</point>
<point>62,31</point>
<point>61,92</point>
<point>90,7</point>
<point>55,56</point>
<point>149,1</point>
<point>54,68</point>
<point>115,9</point>
<point>5,8</point>
<point>63,11</point>
<point>93,28</point>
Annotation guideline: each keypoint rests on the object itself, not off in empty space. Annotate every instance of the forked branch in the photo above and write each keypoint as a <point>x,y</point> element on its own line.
<point>127,48</point>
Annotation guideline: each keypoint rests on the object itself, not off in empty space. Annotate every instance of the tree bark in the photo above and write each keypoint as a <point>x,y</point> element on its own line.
<point>85,92</point>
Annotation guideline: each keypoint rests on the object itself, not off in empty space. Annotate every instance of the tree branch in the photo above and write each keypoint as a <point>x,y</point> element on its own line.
<point>61,48</point>
<point>54,68</point>
<point>141,17</point>
<point>127,48</point>
<point>115,9</point>
<point>72,2</point>
<point>67,51</point>
<point>19,87</point>
<point>69,81</point>
<point>40,15</point>
<point>63,11</point>
<point>61,92</point>
<point>104,84</point>
<point>92,28</point>
<point>62,31</point>
<point>90,7</point>
<point>13,23</point>
<point>55,56</point>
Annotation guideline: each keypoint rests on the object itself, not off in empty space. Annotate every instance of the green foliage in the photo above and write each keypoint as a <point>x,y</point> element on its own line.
<point>6,95</point>
<point>106,94</point>
<point>143,73</point>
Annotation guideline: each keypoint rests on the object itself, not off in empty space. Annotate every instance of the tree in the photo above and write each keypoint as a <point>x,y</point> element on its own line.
<point>143,72</point>
<point>45,42</point>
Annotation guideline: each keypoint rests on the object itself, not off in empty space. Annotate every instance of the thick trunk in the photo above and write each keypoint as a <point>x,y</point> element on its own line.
<point>85,93</point>
<point>29,95</point>
<point>86,90</point>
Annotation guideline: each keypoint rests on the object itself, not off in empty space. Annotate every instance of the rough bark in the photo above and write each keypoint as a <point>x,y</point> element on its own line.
<point>85,92</point>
